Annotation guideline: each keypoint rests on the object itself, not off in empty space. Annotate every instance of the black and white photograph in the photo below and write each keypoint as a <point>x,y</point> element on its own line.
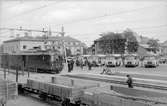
<point>83,53</point>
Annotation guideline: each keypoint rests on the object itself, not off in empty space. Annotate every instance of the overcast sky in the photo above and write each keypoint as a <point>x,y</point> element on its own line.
<point>85,20</point>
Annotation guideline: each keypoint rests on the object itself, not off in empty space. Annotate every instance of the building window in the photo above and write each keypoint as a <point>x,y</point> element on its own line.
<point>76,43</point>
<point>24,46</point>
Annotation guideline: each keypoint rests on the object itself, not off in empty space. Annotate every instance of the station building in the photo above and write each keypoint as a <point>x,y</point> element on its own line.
<point>59,43</point>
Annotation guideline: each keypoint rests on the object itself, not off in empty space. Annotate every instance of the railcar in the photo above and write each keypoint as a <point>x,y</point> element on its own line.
<point>90,93</point>
<point>59,89</point>
<point>38,62</point>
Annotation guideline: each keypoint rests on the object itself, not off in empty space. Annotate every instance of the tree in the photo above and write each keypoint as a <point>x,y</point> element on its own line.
<point>132,44</point>
<point>115,43</point>
<point>153,44</point>
<point>112,43</point>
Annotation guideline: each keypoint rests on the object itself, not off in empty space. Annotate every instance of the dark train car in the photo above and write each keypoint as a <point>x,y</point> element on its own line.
<point>38,62</point>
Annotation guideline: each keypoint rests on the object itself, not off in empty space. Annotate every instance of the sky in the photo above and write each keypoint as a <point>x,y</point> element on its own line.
<point>85,20</point>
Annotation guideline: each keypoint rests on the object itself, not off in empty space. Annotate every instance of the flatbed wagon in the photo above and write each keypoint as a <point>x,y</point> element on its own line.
<point>59,88</point>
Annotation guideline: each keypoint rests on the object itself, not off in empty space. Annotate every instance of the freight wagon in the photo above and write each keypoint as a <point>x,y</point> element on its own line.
<point>91,93</point>
<point>59,88</point>
<point>38,62</point>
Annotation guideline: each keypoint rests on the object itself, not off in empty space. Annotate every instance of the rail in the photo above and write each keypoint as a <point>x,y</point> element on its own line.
<point>159,87</point>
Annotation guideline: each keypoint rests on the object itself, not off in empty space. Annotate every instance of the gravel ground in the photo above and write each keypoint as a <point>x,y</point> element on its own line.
<point>27,101</point>
<point>160,73</point>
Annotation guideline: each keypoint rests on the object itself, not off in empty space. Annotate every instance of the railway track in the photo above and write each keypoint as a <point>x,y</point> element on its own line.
<point>144,85</point>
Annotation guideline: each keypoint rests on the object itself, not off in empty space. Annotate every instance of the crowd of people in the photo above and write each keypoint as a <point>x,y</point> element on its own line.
<point>79,63</point>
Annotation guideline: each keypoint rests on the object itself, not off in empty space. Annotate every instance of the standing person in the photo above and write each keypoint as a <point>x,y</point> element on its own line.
<point>129,81</point>
<point>69,66</point>
<point>72,64</point>
<point>77,62</point>
<point>89,65</point>
<point>81,64</point>
<point>78,102</point>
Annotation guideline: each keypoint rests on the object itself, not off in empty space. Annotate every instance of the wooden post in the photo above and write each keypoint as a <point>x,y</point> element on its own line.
<point>72,82</point>
<point>53,79</point>
<point>28,72</point>
<point>17,73</point>
<point>4,73</point>
<point>23,68</point>
<point>27,66</point>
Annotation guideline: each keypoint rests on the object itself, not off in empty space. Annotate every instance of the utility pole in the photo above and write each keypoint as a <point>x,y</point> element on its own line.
<point>17,67</point>
<point>62,33</point>
<point>5,65</point>
<point>4,73</point>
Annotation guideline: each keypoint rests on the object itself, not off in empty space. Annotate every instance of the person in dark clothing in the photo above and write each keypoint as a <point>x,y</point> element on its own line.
<point>81,64</point>
<point>89,65</point>
<point>72,64</point>
<point>66,102</point>
<point>78,102</point>
<point>129,81</point>
<point>77,62</point>
<point>69,66</point>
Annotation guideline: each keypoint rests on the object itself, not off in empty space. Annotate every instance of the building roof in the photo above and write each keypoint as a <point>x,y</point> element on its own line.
<point>142,39</point>
<point>23,39</point>
<point>52,38</point>
<point>164,43</point>
<point>144,45</point>
<point>65,38</point>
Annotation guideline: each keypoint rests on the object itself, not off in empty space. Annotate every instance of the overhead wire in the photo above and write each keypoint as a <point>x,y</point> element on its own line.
<point>109,15</point>
<point>32,10</point>
<point>92,18</point>
<point>158,26</point>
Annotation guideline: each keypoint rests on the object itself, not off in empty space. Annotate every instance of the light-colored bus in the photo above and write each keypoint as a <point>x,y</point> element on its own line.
<point>131,60</point>
<point>150,61</point>
<point>113,60</point>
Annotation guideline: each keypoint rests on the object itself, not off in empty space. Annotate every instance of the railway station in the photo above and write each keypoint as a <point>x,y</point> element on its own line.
<point>86,53</point>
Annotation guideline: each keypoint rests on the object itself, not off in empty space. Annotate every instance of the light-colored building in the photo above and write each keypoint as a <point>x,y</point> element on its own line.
<point>62,42</point>
<point>23,44</point>
<point>164,48</point>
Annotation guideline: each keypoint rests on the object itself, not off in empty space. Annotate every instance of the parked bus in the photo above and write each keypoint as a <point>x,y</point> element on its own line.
<point>131,60</point>
<point>150,61</point>
<point>113,60</point>
<point>101,60</point>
